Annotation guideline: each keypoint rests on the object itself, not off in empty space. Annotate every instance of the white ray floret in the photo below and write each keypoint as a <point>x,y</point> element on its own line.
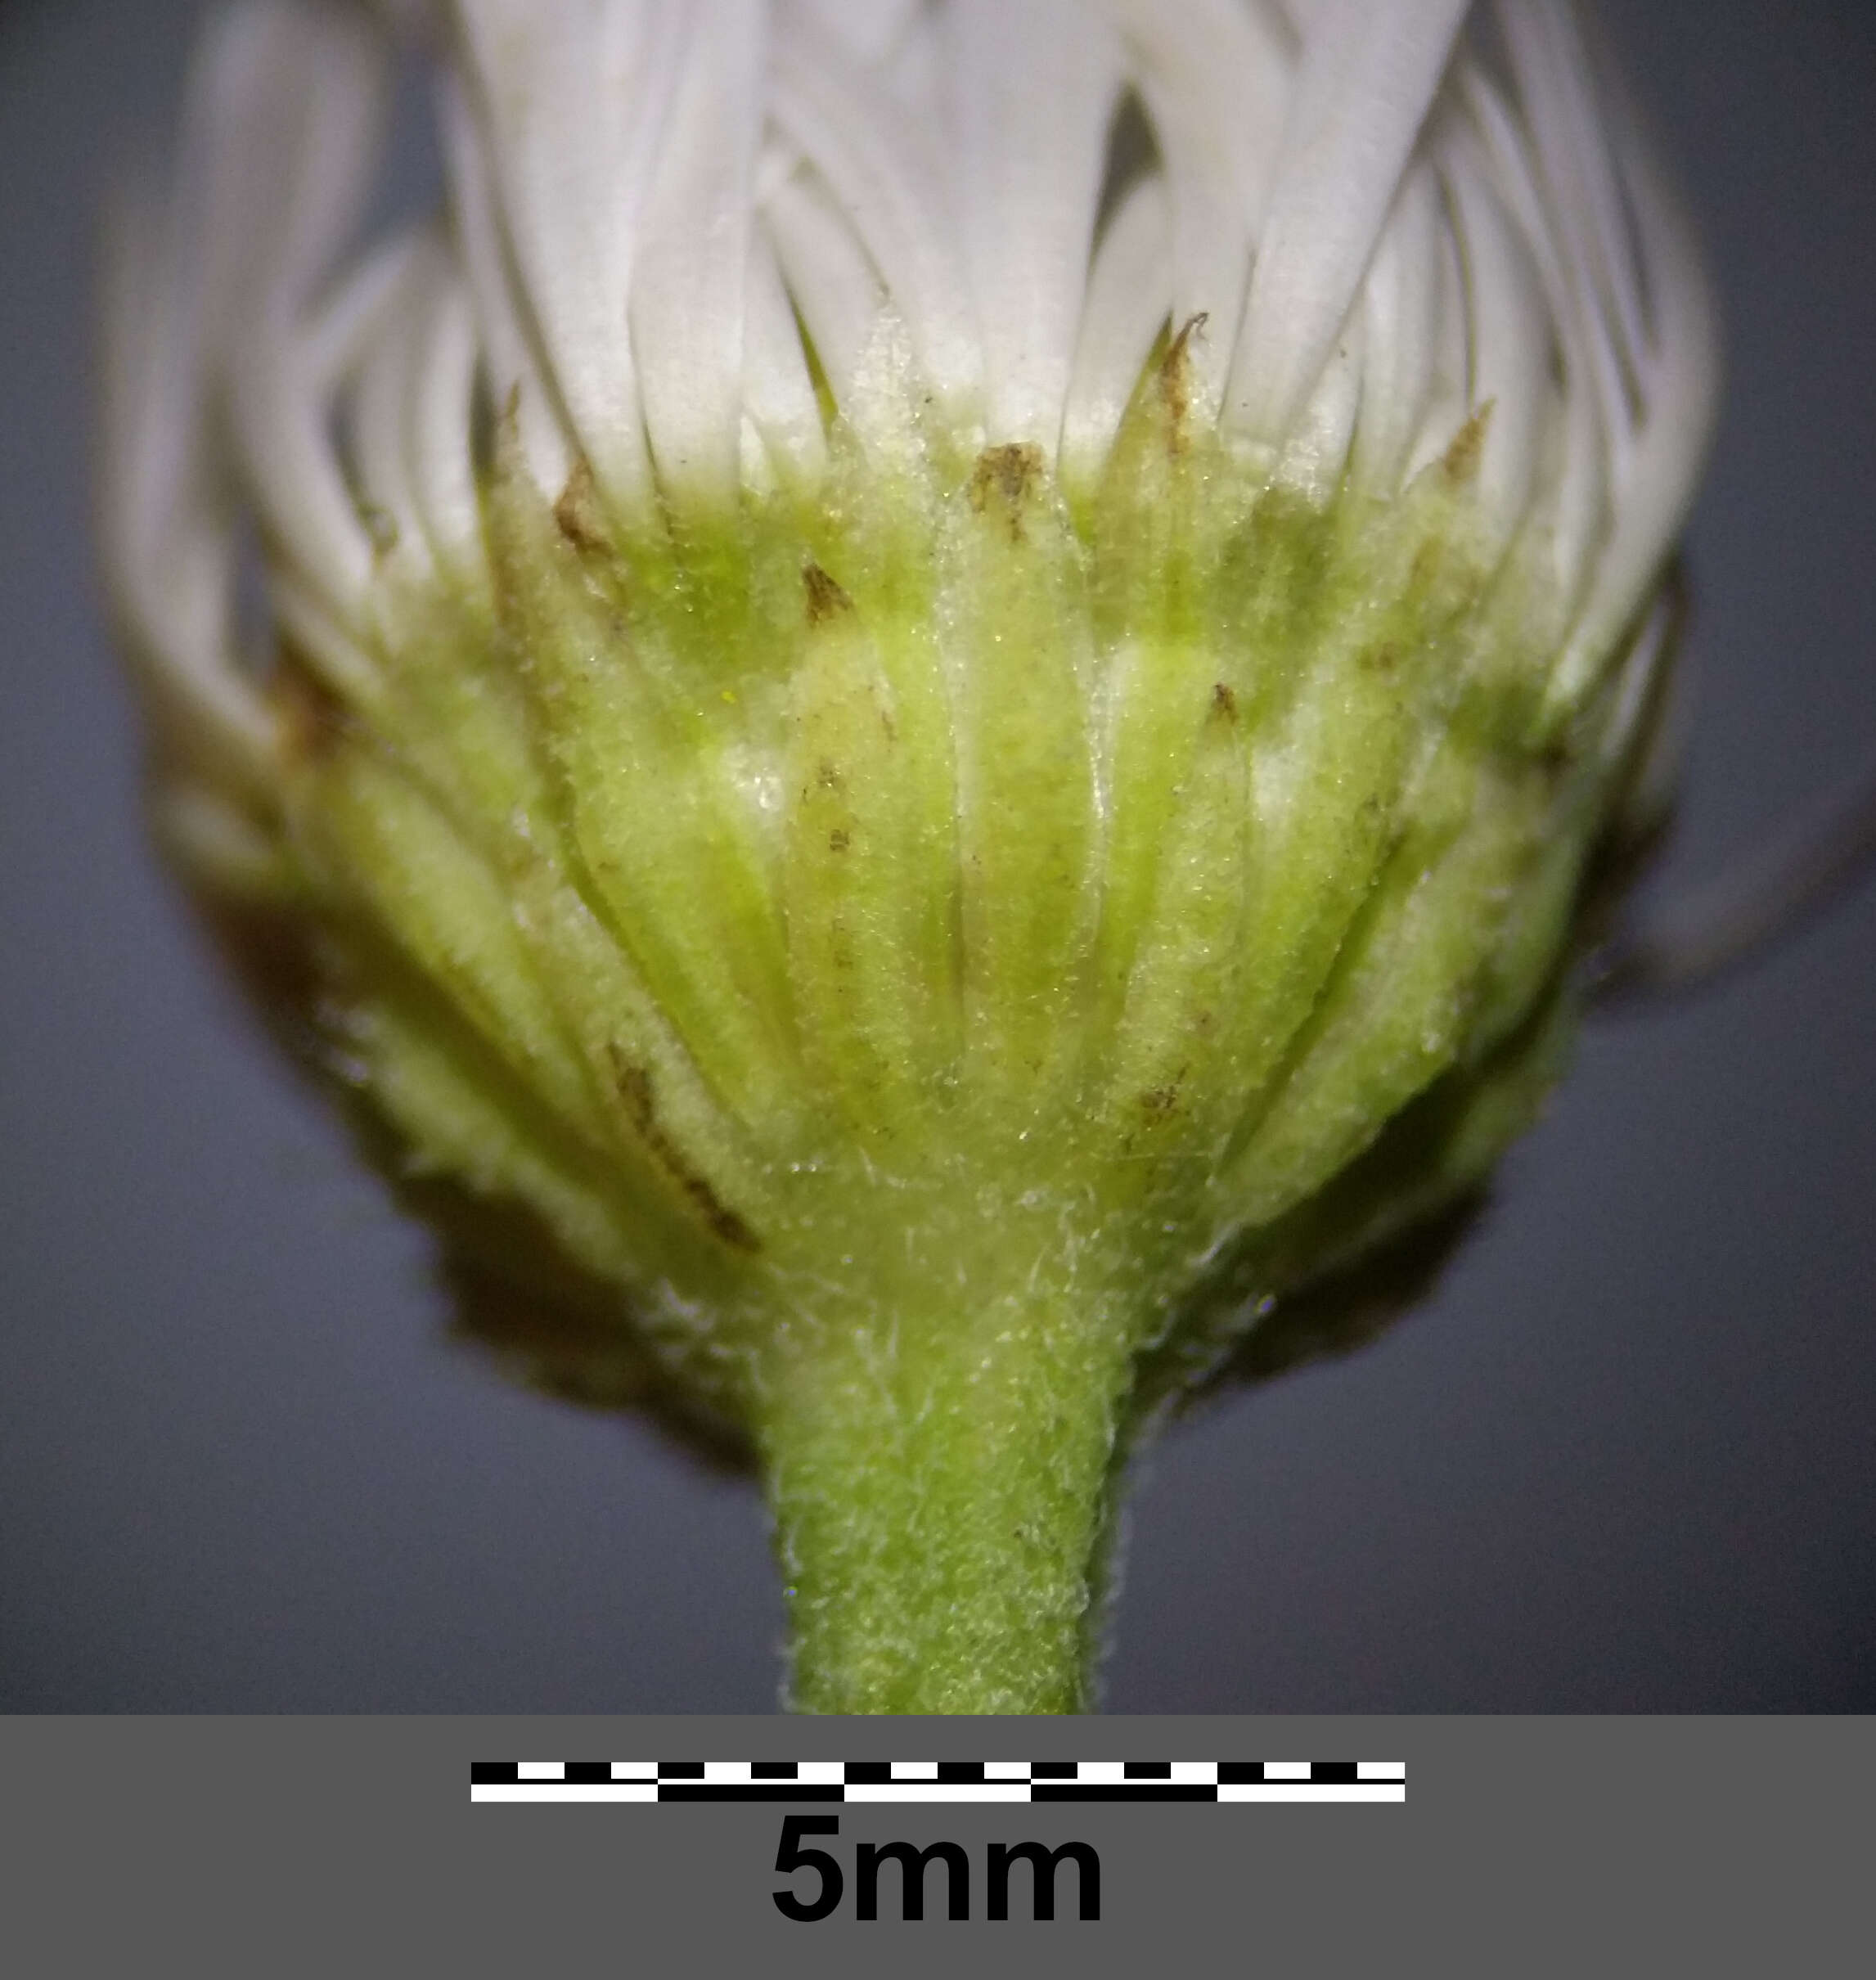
<point>1369,71</point>
<point>1126,309</point>
<point>667,219</point>
<point>885,176</point>
<point>567,126</point>
<point>1034,92</point>
<point>1401,315</point>
<point>1216,78</point>
<point>688,298</point>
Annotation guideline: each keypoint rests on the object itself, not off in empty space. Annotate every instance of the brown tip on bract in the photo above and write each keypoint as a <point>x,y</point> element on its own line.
<point>507,434</point>
<point>825,599</point>
<point>578,511</point>
<point>1460,462</point>
<point>380,526</point>
<point>1006,475</point>
<point>1176,381</point>
<point>311,717</point>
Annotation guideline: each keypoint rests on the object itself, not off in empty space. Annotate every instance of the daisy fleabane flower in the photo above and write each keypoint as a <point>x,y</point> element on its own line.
<point>925,694</point>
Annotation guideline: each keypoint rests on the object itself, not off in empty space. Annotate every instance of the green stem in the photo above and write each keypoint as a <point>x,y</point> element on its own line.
<point>940,1484</point>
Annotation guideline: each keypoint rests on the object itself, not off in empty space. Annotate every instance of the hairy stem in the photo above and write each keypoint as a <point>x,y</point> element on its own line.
<point>940,1484</point>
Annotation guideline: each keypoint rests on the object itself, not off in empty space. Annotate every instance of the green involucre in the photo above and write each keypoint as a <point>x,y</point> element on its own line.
<point>943,951</point>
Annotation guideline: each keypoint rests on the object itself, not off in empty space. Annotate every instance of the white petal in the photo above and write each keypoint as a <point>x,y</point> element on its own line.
<point>1632,693</point>
<point>1033,89</point>
<point>211,334</point>
<point>1449,381</point>
<point>516,373</point>
<point>1578,501</point>
<point>166,522</point>
<point>1678,424</point>
<point>299,493</point>
<point>291,112</point>
<point>870,30</point>
<point>409,415</point>
<point>375,412</point>
<point>1512,347</point>
<point>881,173</point>
<point>1216,77</point>
<point>1401,311</point>
<point>1369,72</point>
<point>777,387</point>
<point>282,395</point>
<point>441,421</point>
<point>573,110</point>
<point>295,101</point>
<point>1316,454</point>
<point>688,284</point>
<point>1571,138</point>
<point>829,277</point>
<point>1130,296</point>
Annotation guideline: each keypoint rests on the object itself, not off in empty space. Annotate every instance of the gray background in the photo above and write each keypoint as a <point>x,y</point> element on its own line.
<point>1622,1461</point>
<point>291,1847</point>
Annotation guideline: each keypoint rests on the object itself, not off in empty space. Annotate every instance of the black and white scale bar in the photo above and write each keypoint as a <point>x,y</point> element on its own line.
<point>937,1780</point>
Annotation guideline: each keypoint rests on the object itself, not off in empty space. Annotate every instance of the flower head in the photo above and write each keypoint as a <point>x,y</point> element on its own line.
<point>936,673</point>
